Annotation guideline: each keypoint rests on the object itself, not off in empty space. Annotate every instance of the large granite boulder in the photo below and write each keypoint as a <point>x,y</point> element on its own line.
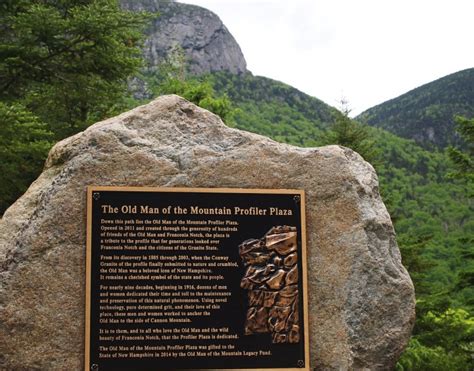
<point>361,297</point>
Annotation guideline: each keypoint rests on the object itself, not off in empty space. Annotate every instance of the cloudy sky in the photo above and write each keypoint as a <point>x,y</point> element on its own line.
<point>366,51</point>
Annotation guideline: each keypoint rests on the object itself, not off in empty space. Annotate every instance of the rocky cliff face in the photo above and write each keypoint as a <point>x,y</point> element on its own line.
<point>207,43</point>
<point>361,299</point>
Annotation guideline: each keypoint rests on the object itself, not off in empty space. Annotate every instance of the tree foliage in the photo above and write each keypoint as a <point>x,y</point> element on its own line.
<point>63,65</point>
<point>351,134</point>
<point>426,114</point>
<point>445,343</point>
<point>73,55</point>
<point>24,143</point>
<point>274,109</point>
<point>431,213</point>
<point>463,159</point>
<point>171,77</point>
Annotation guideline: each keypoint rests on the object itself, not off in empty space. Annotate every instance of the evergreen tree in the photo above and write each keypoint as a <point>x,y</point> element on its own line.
<point>351,134</point>
<point>67,61</point>
<point>171,77</point>
<point>63,65</point>
<point>24,143</point>
<point>463,160</point>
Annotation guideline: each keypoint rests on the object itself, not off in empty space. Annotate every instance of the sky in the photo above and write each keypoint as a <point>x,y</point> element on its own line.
<point>362,51</point>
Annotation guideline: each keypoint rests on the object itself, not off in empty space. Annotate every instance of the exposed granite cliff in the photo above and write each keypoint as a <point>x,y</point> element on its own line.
<point>208,44</point>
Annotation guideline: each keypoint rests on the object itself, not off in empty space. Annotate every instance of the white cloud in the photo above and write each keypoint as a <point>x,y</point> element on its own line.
<point>367,50</point>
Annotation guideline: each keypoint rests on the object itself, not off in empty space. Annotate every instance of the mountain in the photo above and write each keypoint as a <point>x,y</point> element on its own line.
<point>432,213</point>
<point>264,105</point>
<point>207,43</point>
<point>426,114</point>
<point>274,109</point>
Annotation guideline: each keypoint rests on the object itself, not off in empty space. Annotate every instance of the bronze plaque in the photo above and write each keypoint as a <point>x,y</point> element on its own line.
<point>195,279</point>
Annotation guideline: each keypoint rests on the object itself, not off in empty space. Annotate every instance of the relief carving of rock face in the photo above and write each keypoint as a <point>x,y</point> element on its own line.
<point>271,279</point>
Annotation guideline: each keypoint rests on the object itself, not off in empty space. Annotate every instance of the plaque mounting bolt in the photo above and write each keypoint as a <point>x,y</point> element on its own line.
<point>96,195</point>
<point>300,363</point>
<point>297,198</point>
<point>94,367</point>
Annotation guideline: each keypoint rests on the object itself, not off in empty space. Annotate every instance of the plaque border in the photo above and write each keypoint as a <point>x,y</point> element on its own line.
<point>300,192</point>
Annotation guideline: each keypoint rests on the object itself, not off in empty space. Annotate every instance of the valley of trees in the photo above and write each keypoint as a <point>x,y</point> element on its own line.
<point>428,195</point>
<point>431,209</point>
<point>65,65</point>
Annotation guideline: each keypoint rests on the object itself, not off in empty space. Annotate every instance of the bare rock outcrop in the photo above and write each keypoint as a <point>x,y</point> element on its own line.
<point>207,43</point>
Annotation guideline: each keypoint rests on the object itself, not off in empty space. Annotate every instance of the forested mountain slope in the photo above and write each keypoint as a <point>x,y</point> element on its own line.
<point>275,109</point>
<point>428,208</point>
<point>426,114</point>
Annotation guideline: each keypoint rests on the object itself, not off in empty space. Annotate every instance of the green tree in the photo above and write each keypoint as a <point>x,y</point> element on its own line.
<point>24,143</point>
<point>351,134</point>
<point>171,77</point>
<point>463,160</point>
<point>200,92</point>
<point>411,249</point>
<point>63,65</point>
<point>444,343</point>
<point>68,61</point>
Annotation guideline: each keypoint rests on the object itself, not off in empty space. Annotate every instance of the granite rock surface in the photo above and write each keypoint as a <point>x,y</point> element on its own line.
<point>361,299</point>
<point>205,40</point>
